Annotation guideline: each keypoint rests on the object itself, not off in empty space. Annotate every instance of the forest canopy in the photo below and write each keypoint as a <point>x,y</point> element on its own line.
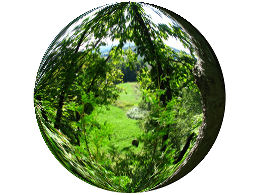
<point>116,103</point>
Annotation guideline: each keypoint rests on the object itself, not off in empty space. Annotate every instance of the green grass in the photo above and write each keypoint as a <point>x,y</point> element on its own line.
<point>129,97</point>
<point>124,129</point>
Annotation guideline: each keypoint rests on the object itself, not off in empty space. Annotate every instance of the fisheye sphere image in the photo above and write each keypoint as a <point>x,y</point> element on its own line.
<point>125,96</point>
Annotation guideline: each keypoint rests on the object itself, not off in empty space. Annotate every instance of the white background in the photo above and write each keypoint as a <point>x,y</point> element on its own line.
<point>28,27</point>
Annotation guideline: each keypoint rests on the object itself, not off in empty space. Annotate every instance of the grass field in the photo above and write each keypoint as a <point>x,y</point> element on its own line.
<point>124,129</point>
<point>131,94</point>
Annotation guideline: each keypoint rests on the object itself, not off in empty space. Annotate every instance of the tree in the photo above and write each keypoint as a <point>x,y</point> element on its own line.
<point>75,79</point>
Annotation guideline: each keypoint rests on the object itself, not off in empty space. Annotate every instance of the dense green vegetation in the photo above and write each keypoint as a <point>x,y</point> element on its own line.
<point>119,135</point>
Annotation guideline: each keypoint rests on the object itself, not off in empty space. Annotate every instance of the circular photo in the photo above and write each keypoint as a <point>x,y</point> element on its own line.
<point>129,97</point>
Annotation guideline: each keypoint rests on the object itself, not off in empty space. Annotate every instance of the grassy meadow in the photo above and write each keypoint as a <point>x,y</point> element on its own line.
<point>124,129</point>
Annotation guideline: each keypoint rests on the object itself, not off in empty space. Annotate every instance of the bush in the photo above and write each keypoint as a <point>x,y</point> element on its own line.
<point>136,113</point>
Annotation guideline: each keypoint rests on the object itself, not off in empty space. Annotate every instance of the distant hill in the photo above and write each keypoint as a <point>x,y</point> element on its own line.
<point>105,49</point>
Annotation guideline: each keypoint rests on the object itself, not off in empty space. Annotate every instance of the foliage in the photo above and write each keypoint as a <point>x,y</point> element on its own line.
<point>82,105</point>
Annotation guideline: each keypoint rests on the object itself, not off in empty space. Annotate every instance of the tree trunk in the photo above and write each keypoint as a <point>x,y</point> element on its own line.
<point>67,83</point>
<point>185,148</point>
<point>59,110</point>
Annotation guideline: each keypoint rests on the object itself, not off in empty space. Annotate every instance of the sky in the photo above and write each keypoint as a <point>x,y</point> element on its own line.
<point>162,18</point>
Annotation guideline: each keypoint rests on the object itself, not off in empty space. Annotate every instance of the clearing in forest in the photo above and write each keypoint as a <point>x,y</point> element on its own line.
<point>124,129</point>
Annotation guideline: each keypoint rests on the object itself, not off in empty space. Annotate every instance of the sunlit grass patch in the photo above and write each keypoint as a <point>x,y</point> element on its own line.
<point>124,129</point>
<point>131,93</point>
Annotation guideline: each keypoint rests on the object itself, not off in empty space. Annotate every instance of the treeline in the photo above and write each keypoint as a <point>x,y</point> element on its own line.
<point>129,74</point>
